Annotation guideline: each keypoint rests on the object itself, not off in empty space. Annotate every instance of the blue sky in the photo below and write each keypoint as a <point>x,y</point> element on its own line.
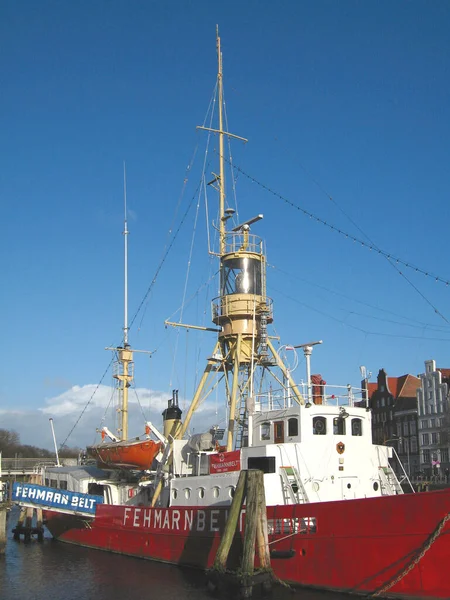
<point>341,99</point>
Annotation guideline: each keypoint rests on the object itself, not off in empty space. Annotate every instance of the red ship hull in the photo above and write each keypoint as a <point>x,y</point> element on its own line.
<point>359,546</point>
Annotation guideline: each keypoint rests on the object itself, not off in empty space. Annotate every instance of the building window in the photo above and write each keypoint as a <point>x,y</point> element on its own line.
<point>338,426</point>
<point>424,424</point>
<point>405,428</point>
<point>265,431</point>
<point>444,455</point>
<point>432,423</point>
<point>426,456</point>
<point>412,428</point>
<point>435,438</point>
<point>425,439</point>
<point>292,426</point>
<point>356,427</point>
<point>319,426</point>
<point>413,444</point>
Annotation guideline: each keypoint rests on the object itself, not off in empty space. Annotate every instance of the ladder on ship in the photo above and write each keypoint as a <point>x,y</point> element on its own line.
<point>242,424</point>
<point>293,489</point>
<point>389,482</point>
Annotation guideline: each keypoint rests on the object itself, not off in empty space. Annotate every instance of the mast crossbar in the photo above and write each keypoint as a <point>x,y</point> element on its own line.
<point>237,137</point>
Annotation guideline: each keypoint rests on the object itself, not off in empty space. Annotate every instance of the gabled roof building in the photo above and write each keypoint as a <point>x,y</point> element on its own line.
<point>394,416</point>
<point>434,422</point>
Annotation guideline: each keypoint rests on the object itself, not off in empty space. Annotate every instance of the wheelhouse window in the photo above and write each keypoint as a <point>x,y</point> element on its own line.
<point>292,426</point>
<point>338,426</point>
<point>265,431</point>
<point>356,427</point>
<point>319,426</point>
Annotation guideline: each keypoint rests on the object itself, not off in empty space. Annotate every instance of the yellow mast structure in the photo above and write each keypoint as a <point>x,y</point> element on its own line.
<point>242,311</point>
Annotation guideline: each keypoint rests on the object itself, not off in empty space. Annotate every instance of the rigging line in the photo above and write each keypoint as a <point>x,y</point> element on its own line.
<point>139,403</point>
<point>388,255</point>
<point>164,258</point>
<point>371,246</point>
<point>233,179</point>
<point>88,402</point>
<point>194,295</point>
<point>343,322</point>
<point>441,328</point>
<point>186,281</point>
<point>194,232</point>
<point>103,419</point>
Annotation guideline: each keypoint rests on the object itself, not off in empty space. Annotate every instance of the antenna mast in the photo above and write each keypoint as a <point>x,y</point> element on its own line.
<point>221,147</point>
<point>124,366</point>
<point>125,234</point>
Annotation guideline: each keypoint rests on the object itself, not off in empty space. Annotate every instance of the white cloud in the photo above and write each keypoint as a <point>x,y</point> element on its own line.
<point>79,406</point>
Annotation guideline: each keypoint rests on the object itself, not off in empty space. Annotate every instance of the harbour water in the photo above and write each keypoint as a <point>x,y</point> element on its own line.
<point>55,571</point>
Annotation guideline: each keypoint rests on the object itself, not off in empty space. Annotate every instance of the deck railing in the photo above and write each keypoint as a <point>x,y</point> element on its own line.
<point>328,395</point>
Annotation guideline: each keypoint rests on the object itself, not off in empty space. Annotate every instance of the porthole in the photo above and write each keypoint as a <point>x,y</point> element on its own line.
<point>201,492</point>
<point>375,485</point>
<point>187,493</point>
<point>174,494</point>
<point>215,492</point>
<point>231,491</point>
<point>349,485</point>
<point>315,486</point>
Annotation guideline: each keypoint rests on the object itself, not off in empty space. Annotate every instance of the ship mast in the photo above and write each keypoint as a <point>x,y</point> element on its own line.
<point>222,221</point>
<point>242,311</point>
<point>124,367</point>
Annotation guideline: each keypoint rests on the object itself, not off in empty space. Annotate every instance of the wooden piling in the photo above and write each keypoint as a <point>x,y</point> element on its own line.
<point>25,525</point>
<point>220,562</point>
<point>251,487</point>
<point>3,509</point>
<point>251,520</point>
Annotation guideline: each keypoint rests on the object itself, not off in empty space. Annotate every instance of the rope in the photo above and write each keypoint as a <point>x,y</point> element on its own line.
<point>87,404</point>
<point>421,553</point>
<point>341,232</point>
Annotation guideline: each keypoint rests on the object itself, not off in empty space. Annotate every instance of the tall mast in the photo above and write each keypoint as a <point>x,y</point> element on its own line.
<point>221,147</point>
<point>242,311</point>
<point>125,235</point>
<point>124,366</point>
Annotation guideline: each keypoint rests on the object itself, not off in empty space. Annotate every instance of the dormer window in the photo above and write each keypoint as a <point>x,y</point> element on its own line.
<point>319,426</point>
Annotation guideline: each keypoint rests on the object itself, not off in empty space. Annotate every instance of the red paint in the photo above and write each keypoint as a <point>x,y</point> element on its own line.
<point>224,462</point>
<point>355,545</point>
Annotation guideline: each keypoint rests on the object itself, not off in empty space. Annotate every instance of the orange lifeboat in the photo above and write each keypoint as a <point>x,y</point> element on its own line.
<point>125,454</point>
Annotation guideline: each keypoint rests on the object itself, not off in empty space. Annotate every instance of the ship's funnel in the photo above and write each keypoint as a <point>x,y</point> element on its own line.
<point>172,417</point>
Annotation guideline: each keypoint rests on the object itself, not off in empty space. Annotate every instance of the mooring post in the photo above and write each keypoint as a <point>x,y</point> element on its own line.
<point>20,521</point>
<point>39,525</point>
<point>251,522</point>
<point>28,525</point>
<point>262,536</point>
<point>2,527</point>
<point>220,562</point>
